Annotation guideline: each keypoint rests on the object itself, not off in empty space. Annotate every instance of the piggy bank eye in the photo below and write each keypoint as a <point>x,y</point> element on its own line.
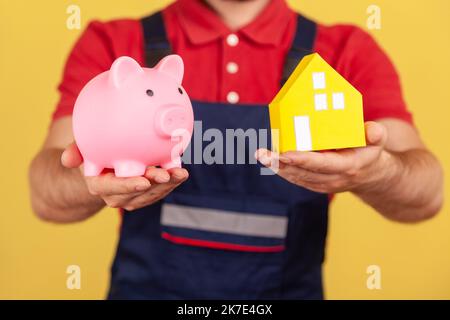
<point>149,93</point>
<point>180,90</point>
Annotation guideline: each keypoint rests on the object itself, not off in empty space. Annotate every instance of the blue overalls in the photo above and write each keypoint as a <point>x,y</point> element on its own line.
<point>228,232</point>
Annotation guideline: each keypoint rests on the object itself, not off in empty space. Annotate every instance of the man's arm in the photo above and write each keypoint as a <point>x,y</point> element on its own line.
<point>409,186</point>
<point>395,173</point>
<point>60,193</point>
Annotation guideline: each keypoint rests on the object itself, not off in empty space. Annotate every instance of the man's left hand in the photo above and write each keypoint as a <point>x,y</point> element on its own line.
<point>334,171</point>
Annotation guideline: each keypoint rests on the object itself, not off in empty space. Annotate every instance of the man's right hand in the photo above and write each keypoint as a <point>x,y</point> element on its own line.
<point>128,193</point>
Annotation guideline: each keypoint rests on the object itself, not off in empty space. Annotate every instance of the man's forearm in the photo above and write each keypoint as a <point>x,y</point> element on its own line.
<point>407,186</point>
<point>59,194</point>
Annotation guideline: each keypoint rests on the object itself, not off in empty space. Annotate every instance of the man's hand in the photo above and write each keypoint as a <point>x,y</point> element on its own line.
<point>128,193</point>
<point>394,173</point>
<point>335,171</point>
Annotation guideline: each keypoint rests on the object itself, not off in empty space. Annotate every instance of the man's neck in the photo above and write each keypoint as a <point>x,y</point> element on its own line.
<point>237,13</point>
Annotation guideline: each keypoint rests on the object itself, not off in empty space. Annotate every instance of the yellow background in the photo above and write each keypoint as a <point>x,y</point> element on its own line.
<point>34,42</point>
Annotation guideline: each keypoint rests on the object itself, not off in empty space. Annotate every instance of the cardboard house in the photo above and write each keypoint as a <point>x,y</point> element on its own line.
<point>316,109</point>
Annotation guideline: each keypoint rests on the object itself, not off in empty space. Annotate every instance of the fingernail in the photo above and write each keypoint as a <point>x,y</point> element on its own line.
<point>63,157</point>
<point>265,160</point>
<point>162,179</point>
<point>285,160</point>
<point>178,176</point>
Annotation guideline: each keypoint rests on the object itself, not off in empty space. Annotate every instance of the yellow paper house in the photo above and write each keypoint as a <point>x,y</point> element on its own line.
<point>316,109</point>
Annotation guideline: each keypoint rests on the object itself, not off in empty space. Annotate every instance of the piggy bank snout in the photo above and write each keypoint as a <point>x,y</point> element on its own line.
<point>173,121</point>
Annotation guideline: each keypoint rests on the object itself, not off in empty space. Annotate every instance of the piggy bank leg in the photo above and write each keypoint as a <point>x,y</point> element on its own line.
<point>174,163</point>
<point>91,169</point>
<point>129,169</point>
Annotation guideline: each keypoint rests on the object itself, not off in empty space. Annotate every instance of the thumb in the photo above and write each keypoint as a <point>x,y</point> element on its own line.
<point>376,134</point>
<point>71,157</point>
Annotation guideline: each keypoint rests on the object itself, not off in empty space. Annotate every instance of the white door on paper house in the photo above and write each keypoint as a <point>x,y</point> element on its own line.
<point>302,133</point>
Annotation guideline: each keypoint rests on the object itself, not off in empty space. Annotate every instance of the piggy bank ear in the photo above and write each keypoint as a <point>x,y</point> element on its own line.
<point>122,69</point>
<point>173,66</point>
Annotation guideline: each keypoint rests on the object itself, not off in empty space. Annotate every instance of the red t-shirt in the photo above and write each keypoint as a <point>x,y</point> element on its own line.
<point>244,66</point>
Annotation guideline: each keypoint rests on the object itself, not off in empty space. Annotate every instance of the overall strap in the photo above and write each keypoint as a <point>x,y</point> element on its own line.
<point>157,45</point>
<point>302,45</point>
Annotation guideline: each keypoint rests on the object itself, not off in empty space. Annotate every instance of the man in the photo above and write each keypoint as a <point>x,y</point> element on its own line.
<point>227,231</point>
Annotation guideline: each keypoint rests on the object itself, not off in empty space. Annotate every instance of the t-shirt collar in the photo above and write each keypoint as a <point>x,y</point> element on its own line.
<point>202,25</point>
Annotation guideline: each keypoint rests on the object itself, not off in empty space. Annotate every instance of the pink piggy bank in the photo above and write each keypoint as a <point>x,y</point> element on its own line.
<point>128,118</point>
